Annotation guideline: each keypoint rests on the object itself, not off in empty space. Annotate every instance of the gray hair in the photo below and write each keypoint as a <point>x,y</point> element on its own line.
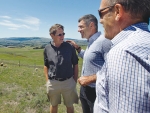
<point>54,28</point>
<point>88,19</point>
<point>137,8</point>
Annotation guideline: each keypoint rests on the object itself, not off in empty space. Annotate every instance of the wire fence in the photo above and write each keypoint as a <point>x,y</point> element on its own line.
<point>19,64</point>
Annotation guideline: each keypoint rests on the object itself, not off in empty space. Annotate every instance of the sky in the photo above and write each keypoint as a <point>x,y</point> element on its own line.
<point>33,18</point>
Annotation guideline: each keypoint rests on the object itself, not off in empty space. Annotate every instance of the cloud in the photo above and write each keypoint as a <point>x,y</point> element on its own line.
<point>31,23</point>
<point>9,24</point>
<point>13,28</point>
<point>30,20</point>
<point>6,17</point>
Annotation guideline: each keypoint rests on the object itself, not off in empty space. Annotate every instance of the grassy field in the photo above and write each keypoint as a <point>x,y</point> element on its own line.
<point>22,88</point>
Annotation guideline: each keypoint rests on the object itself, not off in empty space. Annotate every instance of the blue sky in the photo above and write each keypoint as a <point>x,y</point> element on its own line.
<point>33,18</point>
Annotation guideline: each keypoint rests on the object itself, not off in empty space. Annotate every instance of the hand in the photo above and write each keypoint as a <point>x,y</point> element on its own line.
<point>84,80</point>
<point>73,43</point>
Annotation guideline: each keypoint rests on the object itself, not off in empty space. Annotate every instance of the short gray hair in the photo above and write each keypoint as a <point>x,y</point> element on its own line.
<point>137,8</point>
<point>88,19</point>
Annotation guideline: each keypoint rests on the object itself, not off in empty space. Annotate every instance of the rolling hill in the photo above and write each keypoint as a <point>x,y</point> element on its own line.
<point>31,41</point>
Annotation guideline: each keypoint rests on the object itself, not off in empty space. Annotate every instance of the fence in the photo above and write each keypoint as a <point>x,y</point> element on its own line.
<point>19,64</point>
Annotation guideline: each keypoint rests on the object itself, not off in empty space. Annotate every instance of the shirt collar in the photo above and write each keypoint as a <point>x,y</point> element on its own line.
<point>94,37</point>
<point>127,31</point>
<point>52,44</point>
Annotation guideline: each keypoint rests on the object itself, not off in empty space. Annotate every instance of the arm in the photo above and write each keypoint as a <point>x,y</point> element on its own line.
<point>45,65</point>
<point>86,80</point>
<point>46,72</point>
<point>77,47</point>
<point>75,64</point>
<point>75,67</point>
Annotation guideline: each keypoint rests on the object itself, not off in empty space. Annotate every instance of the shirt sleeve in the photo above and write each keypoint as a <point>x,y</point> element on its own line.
<point>128,83</point>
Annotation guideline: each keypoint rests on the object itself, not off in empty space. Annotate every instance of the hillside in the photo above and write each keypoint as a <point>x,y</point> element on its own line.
<point>31,41</point>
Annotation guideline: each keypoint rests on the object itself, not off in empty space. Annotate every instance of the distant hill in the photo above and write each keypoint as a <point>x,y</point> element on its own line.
<point>22,38</point>
<point>31,41</point>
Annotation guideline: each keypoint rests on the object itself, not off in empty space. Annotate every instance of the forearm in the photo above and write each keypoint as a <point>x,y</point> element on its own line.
<point>86,80</point>
<point>92,78</point>
<point>46,72</point>
<point>75,72</point>
<point>81,54</point>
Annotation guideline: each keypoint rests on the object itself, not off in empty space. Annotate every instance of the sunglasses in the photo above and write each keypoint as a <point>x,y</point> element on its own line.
<point>61,34</point>
<point>100,11</point>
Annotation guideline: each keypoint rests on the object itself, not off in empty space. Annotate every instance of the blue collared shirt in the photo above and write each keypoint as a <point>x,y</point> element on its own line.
<point>123,84</point>
<point>93,56</point>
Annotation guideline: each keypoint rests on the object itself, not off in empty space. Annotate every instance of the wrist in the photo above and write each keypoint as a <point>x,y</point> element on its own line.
<point>78,49</point>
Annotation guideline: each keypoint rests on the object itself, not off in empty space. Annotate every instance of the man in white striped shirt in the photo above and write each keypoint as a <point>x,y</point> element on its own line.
<point>123,84</point>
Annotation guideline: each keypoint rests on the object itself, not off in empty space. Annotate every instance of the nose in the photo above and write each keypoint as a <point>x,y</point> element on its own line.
<point>79,29</point>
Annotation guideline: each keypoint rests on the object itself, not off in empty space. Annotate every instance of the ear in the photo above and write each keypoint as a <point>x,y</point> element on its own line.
<point>52,35</point>
<point>91,25</point>
<point>118,11</point>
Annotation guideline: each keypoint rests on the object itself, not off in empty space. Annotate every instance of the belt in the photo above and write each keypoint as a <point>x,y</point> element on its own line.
<point>59,79</point>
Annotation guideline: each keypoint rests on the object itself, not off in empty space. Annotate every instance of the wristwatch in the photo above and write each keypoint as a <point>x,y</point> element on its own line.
<point>78,49</point>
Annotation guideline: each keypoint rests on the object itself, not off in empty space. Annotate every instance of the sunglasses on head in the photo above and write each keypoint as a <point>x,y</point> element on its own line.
<point>61,34</point>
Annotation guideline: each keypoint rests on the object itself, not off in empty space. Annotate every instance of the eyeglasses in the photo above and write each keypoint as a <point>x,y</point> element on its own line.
<point>61,34</point>
<point>100,11</point>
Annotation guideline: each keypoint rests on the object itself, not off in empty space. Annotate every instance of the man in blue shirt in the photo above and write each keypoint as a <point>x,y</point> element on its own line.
<point>93,59</point>
<point>123,84</point>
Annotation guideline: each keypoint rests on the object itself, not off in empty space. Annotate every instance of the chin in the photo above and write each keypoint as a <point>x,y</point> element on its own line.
<point>83,36</point>
<point>107,35</point>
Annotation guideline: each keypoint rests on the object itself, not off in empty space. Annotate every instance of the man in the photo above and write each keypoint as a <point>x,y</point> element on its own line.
<point>61,70</point>
<point>123,84</point>
<point>93,59</point>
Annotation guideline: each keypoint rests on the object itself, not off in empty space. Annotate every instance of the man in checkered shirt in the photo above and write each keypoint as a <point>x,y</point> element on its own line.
<point>123,84</point>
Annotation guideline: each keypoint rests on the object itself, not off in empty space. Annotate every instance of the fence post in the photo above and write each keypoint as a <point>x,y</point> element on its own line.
<point>19,63</point>
<point>34,65</point>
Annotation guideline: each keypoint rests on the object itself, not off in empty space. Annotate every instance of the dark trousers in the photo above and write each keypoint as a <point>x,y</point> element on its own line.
<point>87,98</point>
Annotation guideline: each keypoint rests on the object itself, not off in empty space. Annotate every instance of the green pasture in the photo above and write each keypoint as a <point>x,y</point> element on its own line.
<point>22,86</point>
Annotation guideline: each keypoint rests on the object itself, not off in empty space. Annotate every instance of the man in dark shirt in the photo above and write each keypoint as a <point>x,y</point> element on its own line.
<point>61,70</point>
